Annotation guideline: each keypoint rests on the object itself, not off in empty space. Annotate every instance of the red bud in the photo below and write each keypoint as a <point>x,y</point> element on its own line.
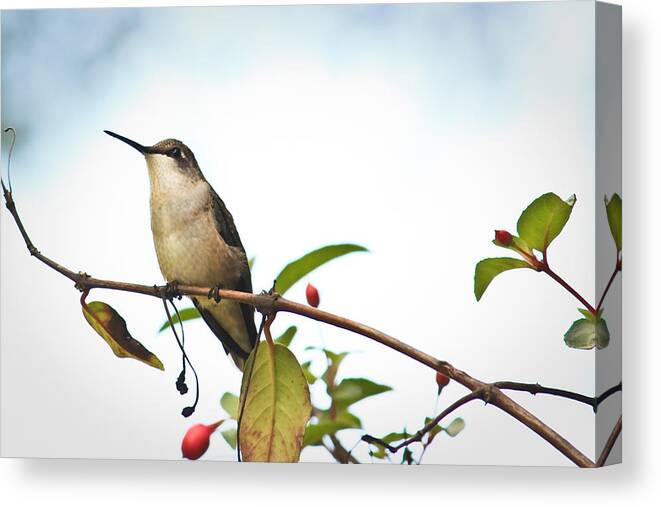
<point>196,440</point>
<point>441,380</point>
<point>504,238</point>
<point>312,295</point>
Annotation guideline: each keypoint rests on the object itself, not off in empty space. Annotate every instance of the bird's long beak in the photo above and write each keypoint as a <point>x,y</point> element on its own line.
<point>142,149</point>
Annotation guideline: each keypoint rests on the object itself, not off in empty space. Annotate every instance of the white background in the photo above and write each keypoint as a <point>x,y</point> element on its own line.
<point>107,482</point>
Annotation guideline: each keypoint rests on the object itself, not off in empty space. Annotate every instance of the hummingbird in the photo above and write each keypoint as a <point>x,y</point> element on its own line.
<point>197,242</point>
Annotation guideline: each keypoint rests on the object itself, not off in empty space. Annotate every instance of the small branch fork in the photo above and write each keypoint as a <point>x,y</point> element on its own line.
<point>485,393</point>
<point>568,287</point>
<point>271,303</point>
<point>544,267</point>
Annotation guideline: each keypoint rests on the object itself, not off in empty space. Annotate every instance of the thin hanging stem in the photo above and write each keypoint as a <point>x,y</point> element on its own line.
<point>187,411</point>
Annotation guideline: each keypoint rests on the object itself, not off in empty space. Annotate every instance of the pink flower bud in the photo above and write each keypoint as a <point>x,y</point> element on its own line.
<point>196,440</point>
<point>504,238</point>
<point>312,295</point>
<point>441,381</point>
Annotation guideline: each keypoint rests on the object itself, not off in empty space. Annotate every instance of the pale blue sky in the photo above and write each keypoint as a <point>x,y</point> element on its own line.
<point>414,130</point>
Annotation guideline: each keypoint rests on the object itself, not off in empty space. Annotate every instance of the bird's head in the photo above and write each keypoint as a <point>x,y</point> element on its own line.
<point>166,157</point>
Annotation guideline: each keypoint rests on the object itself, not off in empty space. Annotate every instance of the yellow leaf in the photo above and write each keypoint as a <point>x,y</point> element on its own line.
<point>277,406</point>
<point>112,328</point>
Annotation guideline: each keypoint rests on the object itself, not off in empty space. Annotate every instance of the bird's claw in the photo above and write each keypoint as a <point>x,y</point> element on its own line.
<point>171,290</point>
<point>214,293</point>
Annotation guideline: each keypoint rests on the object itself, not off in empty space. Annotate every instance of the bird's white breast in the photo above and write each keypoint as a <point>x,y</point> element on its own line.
<point>188,246</point>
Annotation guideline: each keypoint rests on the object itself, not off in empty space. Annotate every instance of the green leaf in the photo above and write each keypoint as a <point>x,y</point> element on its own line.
<point>186,314</point>
<point>586,334</point>
<point>297,269</point>
<point>395,437</point>
<point>112,328</point>
<point>286,337</point>
<point>590,316</point>
<point>309,376</point>
<point>230,403</point>
<point>455,427</point>
<point>331,372</point>
<point>230,437</point>
<point>340,416</point>
<point>352,390</point>
<point>329,424</point>
<point>314,433</point>
<point>614,213</point>
<point>407,457</point>
<point>379,453</point>
<point>276,407</point>
<point>487,269</point>
<point>586,313</point>
<point>542,221</point>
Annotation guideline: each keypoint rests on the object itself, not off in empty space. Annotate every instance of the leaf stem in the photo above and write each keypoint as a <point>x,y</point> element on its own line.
<point>267,329</point>
<point>547,269</point>
<point>618,268</point>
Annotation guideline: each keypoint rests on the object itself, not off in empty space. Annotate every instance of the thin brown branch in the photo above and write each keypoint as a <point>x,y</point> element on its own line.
<point>610,443</point>
<point>535,389</point>
<point>272,303</point>
<point>340,453</point>
<point>481,393</point>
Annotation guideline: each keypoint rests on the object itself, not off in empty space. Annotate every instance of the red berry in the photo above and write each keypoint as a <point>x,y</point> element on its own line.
<point>312,295</point>
<point>504,238</point>
<point>196,440</point>
<point>441,380</point>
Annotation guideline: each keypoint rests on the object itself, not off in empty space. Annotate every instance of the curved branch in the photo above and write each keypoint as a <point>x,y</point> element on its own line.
<point>273,303</point>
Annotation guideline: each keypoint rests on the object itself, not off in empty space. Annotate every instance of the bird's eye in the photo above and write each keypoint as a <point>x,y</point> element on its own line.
<point>174,152</point>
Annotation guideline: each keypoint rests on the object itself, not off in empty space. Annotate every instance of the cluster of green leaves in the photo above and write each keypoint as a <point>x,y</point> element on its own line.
<point>274,404</point>
<point>325,422</point>
<point>539,224</point>
<point>343,395</point>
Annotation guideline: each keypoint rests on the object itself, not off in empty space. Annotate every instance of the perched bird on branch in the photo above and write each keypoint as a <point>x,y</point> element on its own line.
<point>197,242</point>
